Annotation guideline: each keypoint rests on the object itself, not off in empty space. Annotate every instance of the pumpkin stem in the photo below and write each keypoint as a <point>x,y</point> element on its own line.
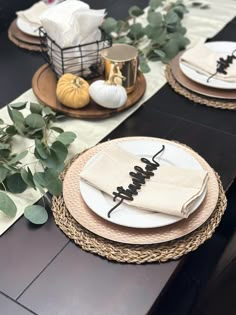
<point>112,77</point>
<point>77,82</point>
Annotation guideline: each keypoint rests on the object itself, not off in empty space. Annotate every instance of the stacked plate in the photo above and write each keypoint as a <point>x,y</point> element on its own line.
<point>196,82</point>
<point>24,35</point>
<point>89,206</point>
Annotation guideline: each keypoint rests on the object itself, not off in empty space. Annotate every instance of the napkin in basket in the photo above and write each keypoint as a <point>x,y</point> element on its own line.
<point>32,15</point>
<point>171,190</point>
<point>204,60</point>
<point>72,23</point>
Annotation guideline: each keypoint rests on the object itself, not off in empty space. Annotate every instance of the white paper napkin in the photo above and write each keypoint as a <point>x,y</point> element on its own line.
<point>204,60</point>
<point>171,190</point>
<point>32,15</point>
<point>72,23</point>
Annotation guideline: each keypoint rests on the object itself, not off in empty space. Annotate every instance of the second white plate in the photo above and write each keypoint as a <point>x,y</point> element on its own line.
<point>129,216</point>
<point>226,48</point>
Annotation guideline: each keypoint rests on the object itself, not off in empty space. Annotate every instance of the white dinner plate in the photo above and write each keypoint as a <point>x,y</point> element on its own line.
<point>129,216</point>
<point>226,48</point>
<point>27,27</point>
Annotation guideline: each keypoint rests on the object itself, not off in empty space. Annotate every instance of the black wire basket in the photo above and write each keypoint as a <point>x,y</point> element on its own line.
<point>82,60</point>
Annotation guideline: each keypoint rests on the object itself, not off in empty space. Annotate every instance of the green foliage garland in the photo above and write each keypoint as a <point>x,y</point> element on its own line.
<point>50,150</point>
<point>160,39</point>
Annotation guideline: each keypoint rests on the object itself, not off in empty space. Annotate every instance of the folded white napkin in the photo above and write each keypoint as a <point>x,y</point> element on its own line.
<point>171,190</point>
<point>32,15</point>
<point>204,60</point>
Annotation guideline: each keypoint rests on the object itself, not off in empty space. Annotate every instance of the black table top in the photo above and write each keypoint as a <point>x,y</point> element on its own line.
<point>41,271</point>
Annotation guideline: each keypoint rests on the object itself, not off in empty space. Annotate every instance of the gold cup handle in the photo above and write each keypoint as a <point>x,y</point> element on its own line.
<point>114,69</point>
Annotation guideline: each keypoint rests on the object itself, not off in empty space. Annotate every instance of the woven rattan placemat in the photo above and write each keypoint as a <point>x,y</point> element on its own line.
<point>128,253</point>
<point>197,98</point>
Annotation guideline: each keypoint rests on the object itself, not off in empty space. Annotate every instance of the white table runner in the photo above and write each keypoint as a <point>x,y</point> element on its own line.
<point>201,24</point>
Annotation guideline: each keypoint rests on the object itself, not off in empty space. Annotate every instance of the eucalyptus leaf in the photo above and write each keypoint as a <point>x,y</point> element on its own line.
<point>5,153</point>
<point>160,53</point>
<point>10,167</point>
<point>122,26</point>
<point>171,49</point>
<point>57,129</point>
<point>52,160</point>
<point>171,18</point>
<point>154,4</point>
<point>49,179</point>
<point>36,108</point>
<point>15,183</point>
<point>19,106</point>
<point>18,157</point>
<point>135,11</point>
<point>154,19</point>
<point>41,149</point>
<point>11,130</point>
<point>3,173</point>
<point>152,56</point>
<point>48,111</point>
<point>4,146</point>
<point>143,66</point>
<point>180,10</point>
<point>16,116</point>
<point>66,137</point>
<point>109,25</point>
<point>136,31</point>
<point>60,150</point>
<point>35,121</point>
<point>39,177</point>
<point>36,214</point>
<point>7,205</point>
<point>18,120</point>
<point>159,38</point>
<point>35,133</point>
<point>27,177</point>
<point>55,188</point>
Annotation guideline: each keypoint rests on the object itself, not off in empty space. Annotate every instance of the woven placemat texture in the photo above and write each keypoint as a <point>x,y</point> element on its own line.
<point>196,98</point>
<point>138,254</point>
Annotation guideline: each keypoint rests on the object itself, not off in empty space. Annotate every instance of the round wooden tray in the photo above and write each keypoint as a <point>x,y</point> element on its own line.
<point>44,86</point>
<point>197,87</point>
<point>23,40</point>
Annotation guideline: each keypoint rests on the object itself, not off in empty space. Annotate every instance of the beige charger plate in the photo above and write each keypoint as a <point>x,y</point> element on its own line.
<point>44,86</point>
<point>88,219</point>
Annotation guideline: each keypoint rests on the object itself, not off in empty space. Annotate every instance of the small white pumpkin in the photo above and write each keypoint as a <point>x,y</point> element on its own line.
<point>107,93</point>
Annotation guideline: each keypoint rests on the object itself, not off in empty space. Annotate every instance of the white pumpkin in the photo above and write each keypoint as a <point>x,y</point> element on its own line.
<point>108,94</point>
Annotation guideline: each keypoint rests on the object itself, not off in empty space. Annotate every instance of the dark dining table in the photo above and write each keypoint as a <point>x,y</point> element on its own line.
<point>43,272</point>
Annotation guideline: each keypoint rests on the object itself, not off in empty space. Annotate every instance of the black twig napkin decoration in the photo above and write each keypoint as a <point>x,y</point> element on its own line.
<point>138,179</point>
<point>223,64</point>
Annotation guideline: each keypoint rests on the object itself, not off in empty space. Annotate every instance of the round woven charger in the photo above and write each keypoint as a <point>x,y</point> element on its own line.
<point>128,253</point>
<point>197,98</point>
<point>136,236</point>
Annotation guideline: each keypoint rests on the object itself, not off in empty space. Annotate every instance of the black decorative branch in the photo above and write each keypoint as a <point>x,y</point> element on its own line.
<point>138,179</point>
<point>223,64</point>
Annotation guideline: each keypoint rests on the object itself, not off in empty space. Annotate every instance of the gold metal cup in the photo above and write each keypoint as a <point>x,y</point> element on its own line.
<point>123,60</point>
